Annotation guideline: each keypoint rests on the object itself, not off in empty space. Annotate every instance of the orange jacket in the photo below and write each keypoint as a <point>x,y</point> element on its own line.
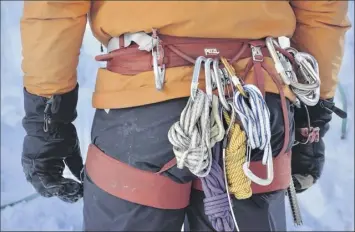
<point>52,34</point>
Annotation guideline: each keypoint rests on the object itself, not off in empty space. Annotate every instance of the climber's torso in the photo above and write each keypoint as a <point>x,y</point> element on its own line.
<point>249,20</point>
<point>196,19</point>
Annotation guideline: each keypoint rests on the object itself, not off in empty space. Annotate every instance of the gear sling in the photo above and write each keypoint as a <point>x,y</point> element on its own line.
<point>131,184</point>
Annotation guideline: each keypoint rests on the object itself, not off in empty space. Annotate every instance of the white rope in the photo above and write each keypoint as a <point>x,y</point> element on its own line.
<point>217,127</point>
<point>255,117</point>
<point>196,133</point>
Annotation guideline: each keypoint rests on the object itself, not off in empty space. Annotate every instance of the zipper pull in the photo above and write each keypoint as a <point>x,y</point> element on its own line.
<point>47,114</point>
<point>101,48</point>
<point>331,108</point>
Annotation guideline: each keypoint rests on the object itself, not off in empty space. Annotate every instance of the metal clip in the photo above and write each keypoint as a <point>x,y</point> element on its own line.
<point>221,93</point>
<point>257,54</point>
<point>307,84</point>
<point>287,67</point>
<point>195,76</point>
<point>159,71</point>
<point>269,170</point>
<point>47,114</point>
<point>208,79</point>
<point>233,76</point>
<point>270,43</point>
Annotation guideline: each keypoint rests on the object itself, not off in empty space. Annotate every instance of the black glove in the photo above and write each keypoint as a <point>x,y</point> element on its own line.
<point>309,154</point>
<point>51,142</point>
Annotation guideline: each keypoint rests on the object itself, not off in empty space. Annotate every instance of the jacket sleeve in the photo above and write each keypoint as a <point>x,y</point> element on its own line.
<point>320,31</point>
<point>52,34</point>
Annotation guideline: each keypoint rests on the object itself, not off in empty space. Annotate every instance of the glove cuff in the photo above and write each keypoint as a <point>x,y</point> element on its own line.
<point>58,109</point>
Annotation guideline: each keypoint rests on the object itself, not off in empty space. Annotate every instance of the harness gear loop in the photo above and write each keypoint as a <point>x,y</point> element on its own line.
<point>239,184</point>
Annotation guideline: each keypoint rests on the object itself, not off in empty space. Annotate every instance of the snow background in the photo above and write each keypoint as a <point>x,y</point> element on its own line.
<point>329,205</point>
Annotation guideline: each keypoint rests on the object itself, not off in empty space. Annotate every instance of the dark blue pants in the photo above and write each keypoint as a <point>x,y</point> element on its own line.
<point>138,137</point>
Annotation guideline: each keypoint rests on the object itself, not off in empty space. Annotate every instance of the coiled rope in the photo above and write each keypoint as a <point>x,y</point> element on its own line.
<point>216,199</point>
<point>196,133</point>
<point>255,117</point>
<point>239,183</point>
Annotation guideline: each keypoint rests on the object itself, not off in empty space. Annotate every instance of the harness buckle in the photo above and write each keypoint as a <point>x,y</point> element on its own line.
<point>257,54</point>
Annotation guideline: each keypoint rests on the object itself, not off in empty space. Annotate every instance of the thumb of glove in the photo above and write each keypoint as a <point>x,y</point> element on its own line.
<point>66,189</point>
<point>71,191</point>
<point>74,161</point>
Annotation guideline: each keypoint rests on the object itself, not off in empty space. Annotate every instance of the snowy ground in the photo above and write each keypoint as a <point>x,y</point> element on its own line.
<point>327,206</point>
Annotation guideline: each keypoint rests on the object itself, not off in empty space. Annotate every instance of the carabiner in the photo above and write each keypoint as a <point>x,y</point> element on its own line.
<point>308,92</point>
<point>208,78</point>
<point>256,179</point>
<point>195,76</point>
<point>270,43</point>
<point>218,73</point>
<point>233,76</point>
<point>159,71</point>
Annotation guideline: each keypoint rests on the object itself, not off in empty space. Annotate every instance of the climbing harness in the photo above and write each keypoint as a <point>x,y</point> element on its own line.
<point>200,130</point>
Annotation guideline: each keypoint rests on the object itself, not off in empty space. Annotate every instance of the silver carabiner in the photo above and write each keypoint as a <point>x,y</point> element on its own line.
<point>308,68</point>
<point>208,79</point>
<point>159,71</point>
<point>195,76</point>
<point>270,43</point>
<point>308,92</point>
<point>218,73</point>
